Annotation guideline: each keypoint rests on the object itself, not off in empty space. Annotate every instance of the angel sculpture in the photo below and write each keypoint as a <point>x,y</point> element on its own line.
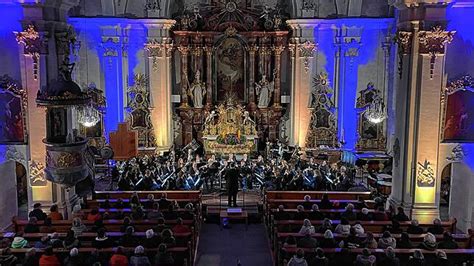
<point>264,91</point>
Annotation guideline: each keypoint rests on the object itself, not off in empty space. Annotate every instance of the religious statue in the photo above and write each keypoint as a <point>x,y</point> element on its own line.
<point>264,91</point>
<point>248,124</point>
<point>210,118</point>
<point>197,90</point>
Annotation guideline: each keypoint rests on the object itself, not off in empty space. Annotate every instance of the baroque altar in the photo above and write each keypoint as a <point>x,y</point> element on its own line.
<point>229,129</point>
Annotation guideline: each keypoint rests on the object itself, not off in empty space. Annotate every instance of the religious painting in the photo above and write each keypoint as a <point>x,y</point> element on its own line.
<point>230,67</point>
<point>459,114</point>
<point>12,124</point>
<point>425,174</point>
<point>58,129</point>
<point>370,135</point>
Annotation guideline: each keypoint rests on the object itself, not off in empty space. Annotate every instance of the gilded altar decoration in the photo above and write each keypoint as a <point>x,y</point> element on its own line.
<point>370,134</point>
<point>456,100</point>
<point>307,50</point>
<point>155,50</point>
<point>434,42</point>
<point>13,100</point>
<point>139,111</point>
<point>457,154</point>
<point>229,129</point>
<point>425,174</point>
<point>322,131</point>
<point>31,41</point>
<point>404,40</point>
<point>62,159</point>
<point>37,177</point>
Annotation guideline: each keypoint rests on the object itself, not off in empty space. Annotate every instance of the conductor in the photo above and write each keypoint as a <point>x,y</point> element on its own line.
<point>232,177</point>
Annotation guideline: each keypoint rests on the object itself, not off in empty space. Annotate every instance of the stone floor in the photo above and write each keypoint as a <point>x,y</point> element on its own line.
<point>227,247</point>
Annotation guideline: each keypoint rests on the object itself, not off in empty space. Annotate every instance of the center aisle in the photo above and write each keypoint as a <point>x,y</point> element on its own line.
<point>218,248</point>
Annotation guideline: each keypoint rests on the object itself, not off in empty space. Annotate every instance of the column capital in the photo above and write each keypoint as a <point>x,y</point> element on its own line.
<point>434,41</point>
<point>184,50</point>
<point>405,4</point>
<point>307,50</point>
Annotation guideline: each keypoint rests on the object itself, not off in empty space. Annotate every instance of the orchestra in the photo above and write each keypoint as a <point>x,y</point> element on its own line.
<point>281,170</point>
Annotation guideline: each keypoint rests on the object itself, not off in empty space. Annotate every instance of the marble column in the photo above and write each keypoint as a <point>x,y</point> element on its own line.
<point>208,51</point>
<point>253,48</point>
<point>184,50</point>
<point>277,94</point>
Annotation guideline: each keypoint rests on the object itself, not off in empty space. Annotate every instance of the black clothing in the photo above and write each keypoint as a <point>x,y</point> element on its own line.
<point>38,213</point>
<point>232,177</point>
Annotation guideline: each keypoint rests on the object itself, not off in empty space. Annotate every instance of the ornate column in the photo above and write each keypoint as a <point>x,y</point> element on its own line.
<point>184,50</point>
<point>277,94</point>
<point>253,48</point>
<point>422,51</point>
<point>208,51</point>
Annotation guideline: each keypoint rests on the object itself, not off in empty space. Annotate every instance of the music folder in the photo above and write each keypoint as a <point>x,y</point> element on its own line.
<point>234,210</point>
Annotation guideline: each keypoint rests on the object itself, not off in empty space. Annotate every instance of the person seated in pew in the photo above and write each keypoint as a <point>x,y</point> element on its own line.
<point>30,258</point>
<point>164,202</point>
<point>307,202</point>
<point>300,213</point>
<point>170,214</point>
<point>163,257</point>
<point>389,258</point>
<point>364,215</point>
<point>139,258</point>
<point>343,227</point>
<point>55,241</point>
<point>387,241</point>
<point>328,241</point>
<point>325,203</point>
<point>414,228</point>
<point>48,258</point>
<point>155,213</point>
<point>401,216</point>
<point>429,242</point>
<point>134,200</point>
<point>417,259</point>
<point>326,225</point>
<point>128,239</point>
<point>102,241</point>
<point>188,213</point>
<point>394,228</point>
<point>442,259</point>
<point>150,201</point>
<point>358,228</point>
<point>447,242</point>
<point>32,226</point>
<point>405,241</point>
<point>369,241</point>
<point>315,214</point>
<point>307,227</point>
<point>381,214</point>
<point>54,213</point>
<point>19,241</point>
<point>180,228</point>
<point>70,241</point>
<point>307,241</point>
<point>120,204</point>
<point>118,258</point>
<point>152,240</point>
<point>349,213</point>
<point>42,243</point>
<point>298,259</point>
<point>365,259</point>
<point>361,203</point>
<point>436,228</point>
<point>74,258</point>
<point>7,258</point>
<point>168,238</point>
<point>351,241</point>
<point>379,202</point>
<point>160,226</point>
<point>138,213</point>
<point>290,242</point>
<point>94,215</point>
<point>77,212</point>
<point>47,226</point>
<point>106,204</point>
<point>37,212</point>
<point>319,259</point>
<point>125,224</point>
<point>280,214</point>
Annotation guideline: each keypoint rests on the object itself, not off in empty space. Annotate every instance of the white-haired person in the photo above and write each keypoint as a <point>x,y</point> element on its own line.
<point>307,227</point>
<point>139,257</point>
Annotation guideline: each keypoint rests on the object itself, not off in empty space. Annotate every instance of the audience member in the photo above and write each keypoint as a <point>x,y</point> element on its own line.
<point>70,241</point>
<point>436,228</point>
<point>349,213</point>
<point>77,212</point>
<point>414,228</point>
<point>351,241</point>
<point>163,257</point>
<point>281,214</point>
<point>447,242</point>
<point>401,216</point>
<point>389,259</point>
<point>139,258</point>
<point>151,239</point>
<point>150,201</point>
<point>442,259</point>
<point>7,258</point>
<point>359,230</point>
<point>180,228</point>
<point>298,259</point>
<point>320,259</point>
<point>168,238</point>
<point>328,241</point>
<point>364,215</point>
<point>155,213</point>
<point>429,242</point>
<point>94,215</point>
<point>365,259</point>
<point>125,224</point>
<point>101,241</point>
<point>405,241</point>
<point>326,225</point>
<point>128,239</point>
<point>47,226</point>
<point>32,226</point>
<point>118,258</point>
<point>290,242</point>
<point>164,202</point>
<point>307,202</point>
<point>30,258</point>
<point>307,241</point>
<point>417,259</point>
<point>19,241</point>
<point>78,227</point>
<point>343,227</point>
<point>307,227</point>
<point>369,241</point>
<point>387,241</point>
<point>315,214</point>
<point>37,212</point>
<point>54,213</point>
<point>300,213</point>
<point>48,258</point>
<point>74,259</point>
<point>325,203</point>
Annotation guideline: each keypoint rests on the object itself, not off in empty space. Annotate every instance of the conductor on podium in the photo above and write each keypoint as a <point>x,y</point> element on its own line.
<point>232,178</point>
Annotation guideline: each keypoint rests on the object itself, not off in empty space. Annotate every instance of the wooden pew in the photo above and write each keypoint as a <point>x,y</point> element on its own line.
<point>335,195</point>
<point>292,203</point>
<point>171,194</point>
<point>98,202</point>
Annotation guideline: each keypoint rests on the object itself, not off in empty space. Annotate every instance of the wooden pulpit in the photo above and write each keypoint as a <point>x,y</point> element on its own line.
<point>124,142</point>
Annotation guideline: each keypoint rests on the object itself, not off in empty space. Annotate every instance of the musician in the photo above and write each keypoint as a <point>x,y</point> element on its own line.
<point>232,177</point>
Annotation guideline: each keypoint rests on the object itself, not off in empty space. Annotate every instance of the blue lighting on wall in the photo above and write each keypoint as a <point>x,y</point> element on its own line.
<point>112,67</point>
<point>371,40</point>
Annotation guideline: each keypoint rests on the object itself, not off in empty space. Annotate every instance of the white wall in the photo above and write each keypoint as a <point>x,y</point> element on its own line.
<point>8,199</point>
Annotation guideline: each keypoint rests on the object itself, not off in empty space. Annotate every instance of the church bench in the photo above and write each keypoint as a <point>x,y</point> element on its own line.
<point>292,203</point>
<point>111,225</point>
<point>97,203</point>
<point>369,226</point>
<point>170,194</point>
<point>456,255</point>
<point>463,240</point>
<point>182,255</point>
<point>334,195</point>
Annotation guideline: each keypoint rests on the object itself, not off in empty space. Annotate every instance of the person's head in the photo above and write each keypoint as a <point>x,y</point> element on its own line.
<point>119,250</point>
<point>179,221</point>
<point>430,239</point>
<point>328,234</point>
<point>130,230</point>
<point>350,207</point>
<point>386,234</point>
<point>405,237</point>
<point>167,233</point>
<point>76,222</point>
<point>37,205</point>
<point>162,248</point>
<point>327,222</point>
<point>344,221</point>
<point>150,197</point>
<point>189,207</point>
<point>366,252</point>
<point>74,252</point>
<point>400,210</point>
<point>139,250</point>
<point>417,254</point>
<point>390,252</point>
<point>320,253</point>
<point>101,233</point>
<point>447,236</point>
<point>156,206</point>
<point>437,222</point>
<point>365,211</point>
<point>76,208</point>
<point>149,233</point>
<point>300,208</point>
<point>415,222</point>
<point>48,251</point>
<point>441,255</point>
<point>53,208</point>
<point>306,222</point>
<point>300,253</point>
<point>281,208</point>
<point>161,221</point>
<point>307,198</point>
<point>127,220</point>
<point>315,207</point>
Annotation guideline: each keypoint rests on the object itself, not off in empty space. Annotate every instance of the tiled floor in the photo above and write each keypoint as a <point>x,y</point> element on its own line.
<point>226,247</point>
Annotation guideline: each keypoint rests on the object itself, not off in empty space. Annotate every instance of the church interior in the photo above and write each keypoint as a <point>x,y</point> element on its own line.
<point>237,132</point>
